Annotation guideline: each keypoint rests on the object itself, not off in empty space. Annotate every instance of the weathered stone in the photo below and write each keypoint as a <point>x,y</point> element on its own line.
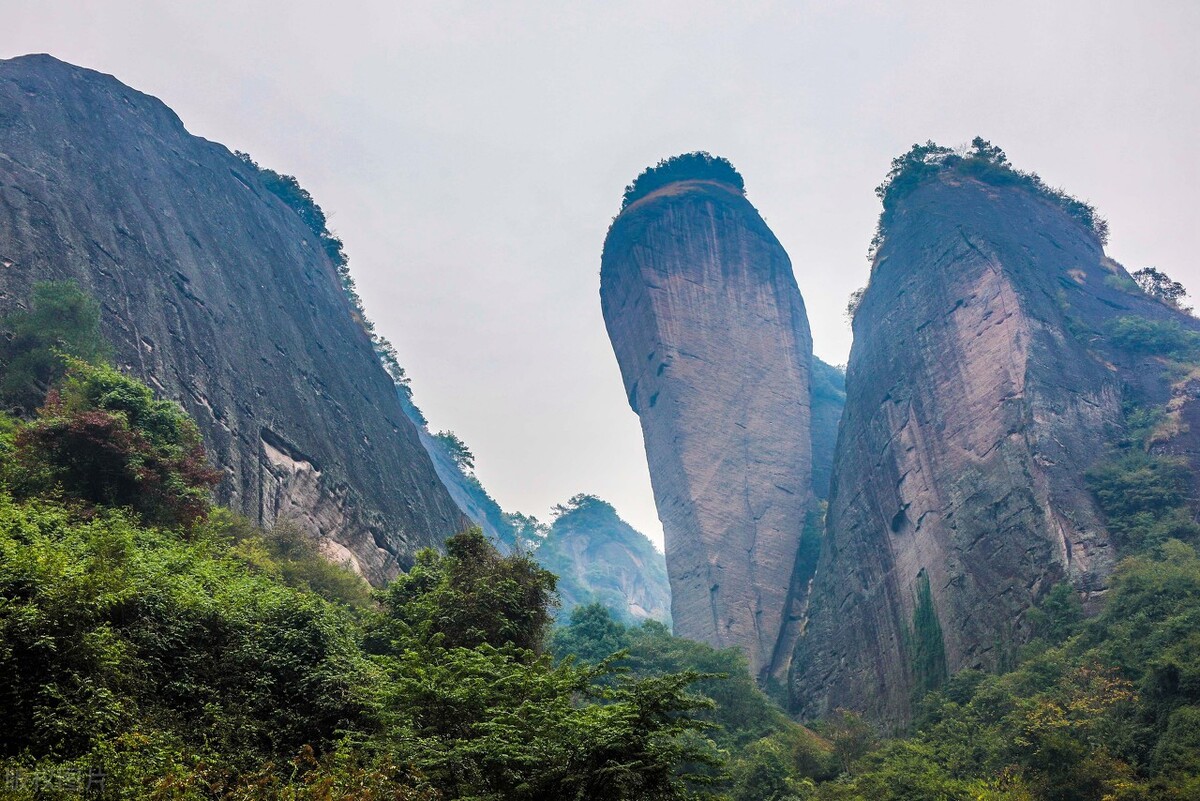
<point>980,389</point>
<point>828,398</point>
<point>713,342</point>
<point>216,294</point>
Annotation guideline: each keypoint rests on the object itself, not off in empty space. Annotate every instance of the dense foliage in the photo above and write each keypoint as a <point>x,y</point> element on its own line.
<point>1159,285</point>
<point>767,755</point>
<point>62,321</point>
<point>150,654</point>
<point>152,646</point>
<point>102,439</point>
<point>697,166</point>
<point>982,161</point>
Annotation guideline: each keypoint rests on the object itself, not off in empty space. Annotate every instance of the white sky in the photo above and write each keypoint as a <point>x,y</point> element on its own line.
<point>471,155</point>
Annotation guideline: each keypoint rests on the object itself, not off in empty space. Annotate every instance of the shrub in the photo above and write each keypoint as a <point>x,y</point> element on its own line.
<point>1166,338</point>
<point>982,161</point>
<point>103,439</point>
<point>697,166</point>
<point>1144,498</point>
<point>472,596</point>
<point>62,321</point>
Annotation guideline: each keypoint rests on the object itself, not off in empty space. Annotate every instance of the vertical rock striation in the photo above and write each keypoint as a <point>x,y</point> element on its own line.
<point>713,343</point>
<point>828,399</point>
<point>981,387</point>
<point>217,294</point>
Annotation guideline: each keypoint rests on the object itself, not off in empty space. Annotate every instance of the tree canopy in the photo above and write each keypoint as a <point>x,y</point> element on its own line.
<point>696,166</point>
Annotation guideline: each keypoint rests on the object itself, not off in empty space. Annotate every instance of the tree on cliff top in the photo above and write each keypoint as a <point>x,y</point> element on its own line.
<point>456,449</point>
<point>1159,285</point>
<point>697,166</point>
<point>980,160</point>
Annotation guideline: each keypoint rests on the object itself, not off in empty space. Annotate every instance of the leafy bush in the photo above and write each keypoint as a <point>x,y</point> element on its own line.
<point>62,321</point>
<point>102,438</point>
<point>108,629</point>
<point>291,555</point>
<point>1166,338</point>
<point>697,166</point>
<point>982,161</point>
<point>1144,498</point>
<point>472,596</point>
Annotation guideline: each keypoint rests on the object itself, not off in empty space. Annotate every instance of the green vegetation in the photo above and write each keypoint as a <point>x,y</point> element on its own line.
<point>1166,338</point>
<point>928,648</point>
<point>1159,286</point>
<point>1144,498</point>
<point>982,161</point>
<point>180,652</point>
<point>697,166</point>
<point>102,439</point>
<point>767,755</point>
<point>62,321</point>
<point>172,650</point>
<point>456,449</point>
<point>528,532</point>
<point>1098,710</point>
<point>853,302</point>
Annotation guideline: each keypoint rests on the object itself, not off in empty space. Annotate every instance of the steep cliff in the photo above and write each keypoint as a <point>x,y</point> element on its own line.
<point>219,295</point>
<point>599,558</point>
<point>984,382</point>
<point>828,399</point>
<point>713,343</point>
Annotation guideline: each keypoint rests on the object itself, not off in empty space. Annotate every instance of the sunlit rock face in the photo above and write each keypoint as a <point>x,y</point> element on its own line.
<point>981,387</point>
<point>713,343</point>
<point>216,294</point>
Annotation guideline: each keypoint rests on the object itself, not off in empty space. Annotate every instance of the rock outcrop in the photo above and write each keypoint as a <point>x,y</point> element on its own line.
<point>982,385</point>
<point>713,343</point>
<point>599,558</point>
<point>828,398</point>
<point>217,294</point>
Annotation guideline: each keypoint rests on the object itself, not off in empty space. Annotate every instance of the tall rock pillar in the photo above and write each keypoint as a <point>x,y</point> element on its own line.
<point>713,342</point>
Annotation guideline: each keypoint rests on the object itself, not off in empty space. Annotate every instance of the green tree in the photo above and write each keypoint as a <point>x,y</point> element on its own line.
<point>104,439</point>
<point>1159,285</point>
<point>456,449</point>
<point>62,321</point>
<point>471,596</point>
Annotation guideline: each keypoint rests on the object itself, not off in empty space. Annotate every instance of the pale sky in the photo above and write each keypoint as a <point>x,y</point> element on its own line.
<point>472,155</point>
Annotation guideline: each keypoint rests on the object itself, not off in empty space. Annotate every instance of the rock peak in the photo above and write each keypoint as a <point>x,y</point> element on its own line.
<point>695,166</point>
<point>713,343</point>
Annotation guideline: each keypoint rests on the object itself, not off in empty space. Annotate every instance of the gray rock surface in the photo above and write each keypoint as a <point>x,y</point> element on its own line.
<point>215,293</point>
<point>828,398</point>
<point>980,389</point>
<point>713,343</point>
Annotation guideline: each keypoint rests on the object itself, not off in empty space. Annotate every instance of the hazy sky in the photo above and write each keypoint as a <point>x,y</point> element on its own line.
<point>471,155</point>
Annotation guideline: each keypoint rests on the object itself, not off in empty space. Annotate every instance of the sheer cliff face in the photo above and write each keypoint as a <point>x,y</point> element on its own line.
<point>216,294</point>
<point>712,339</point>
<point>979,391</point>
